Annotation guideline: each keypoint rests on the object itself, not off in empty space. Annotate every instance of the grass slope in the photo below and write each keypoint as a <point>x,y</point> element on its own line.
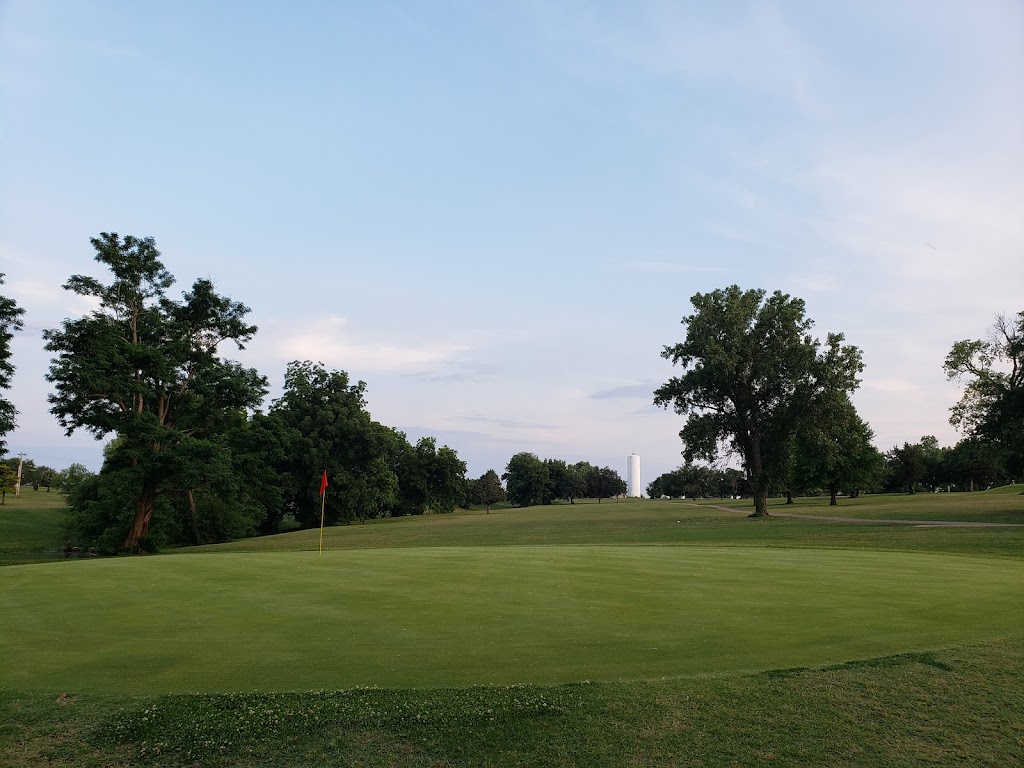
<point>31,526</point>
<point>649,522</point>
<point>717,641</point>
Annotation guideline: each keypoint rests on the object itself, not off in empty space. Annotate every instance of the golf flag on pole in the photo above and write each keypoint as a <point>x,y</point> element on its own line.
<point>323,496</point>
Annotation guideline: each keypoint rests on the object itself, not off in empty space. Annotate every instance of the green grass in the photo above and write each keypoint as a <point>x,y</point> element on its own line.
<point>999,505</point>
<point>646,522</point>
<point>31,526</point>
<point>956,707</point>
<point>469,616</point>
<point>705,638</point>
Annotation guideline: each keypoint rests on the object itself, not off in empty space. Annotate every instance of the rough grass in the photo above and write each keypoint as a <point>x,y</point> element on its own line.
<point>31,526</point>
<point>960,706</point>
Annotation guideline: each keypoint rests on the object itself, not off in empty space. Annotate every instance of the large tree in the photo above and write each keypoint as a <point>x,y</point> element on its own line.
<point>753,374</point>
<point>10,321</point>
<point>327,427</point>
<point>527,480</point>
<point>834,450</point>
<point>147,369</point>
<point>992,405</point>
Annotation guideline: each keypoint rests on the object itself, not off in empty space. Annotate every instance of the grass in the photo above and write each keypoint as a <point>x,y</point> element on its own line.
<point>999,505</point>
<point>959,706</point>
<point>630,633</point>
<point>648,522</point>
<point>31,527</point>
<point>490,615</point>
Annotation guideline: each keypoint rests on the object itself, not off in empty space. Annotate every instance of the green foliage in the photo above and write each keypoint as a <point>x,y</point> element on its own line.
<point>8,478</point>
<point>487,490</point>
<point>325,426</point>
<point>429,479</point>
<point>527,480</point>
<point>696,481</point>
<point>992,405</point>
<point>146,368</point>
<point>10,321</point>
<point>603,483</point>
<point>834,450</point>
<point>753,374</point>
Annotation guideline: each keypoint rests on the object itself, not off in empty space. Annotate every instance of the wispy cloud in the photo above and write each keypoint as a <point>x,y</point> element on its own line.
<point>644,390</point>
<point>333,343</point>
<point>454,372</point>
<point>509,423</point>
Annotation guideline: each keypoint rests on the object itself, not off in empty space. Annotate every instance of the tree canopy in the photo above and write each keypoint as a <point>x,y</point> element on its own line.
<point>10,320</point>
<point>753,375</point>
<point>147,369</point>
<point>992,371</point>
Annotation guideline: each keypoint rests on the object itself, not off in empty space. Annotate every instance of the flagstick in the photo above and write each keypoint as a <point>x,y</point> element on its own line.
<point>323,496</point>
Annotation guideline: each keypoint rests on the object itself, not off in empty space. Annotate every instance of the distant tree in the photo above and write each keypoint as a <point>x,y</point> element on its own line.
<point>429,479</point>
<point>147,368</point>
<point>8,477</point>
<point>566,481</point>
<point>10,320</point>
<point>67,480</point>
<point>907,466</point>
<point>604,482</point>
<point>975,464</point>
<point>325,425</point>
<point>526,480</point>
<point>489,490</point>
<point>834,450</point>
<point>753,374</point>
<point>992,371</point>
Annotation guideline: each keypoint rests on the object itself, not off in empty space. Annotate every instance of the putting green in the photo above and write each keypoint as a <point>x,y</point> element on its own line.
<point>463,616</point>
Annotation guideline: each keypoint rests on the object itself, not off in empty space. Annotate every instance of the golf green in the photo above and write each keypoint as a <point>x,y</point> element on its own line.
<point>501,615</point>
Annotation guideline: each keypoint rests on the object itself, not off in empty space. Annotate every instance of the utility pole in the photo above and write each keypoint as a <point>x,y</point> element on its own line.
<point>17,483</point>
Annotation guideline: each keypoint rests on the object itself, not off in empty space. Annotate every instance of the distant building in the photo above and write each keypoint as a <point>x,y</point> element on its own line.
<point>633,485</point>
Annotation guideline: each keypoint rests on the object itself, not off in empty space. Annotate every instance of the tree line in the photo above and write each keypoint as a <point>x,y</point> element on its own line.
<point>758,385</point>
<point>191,458</point>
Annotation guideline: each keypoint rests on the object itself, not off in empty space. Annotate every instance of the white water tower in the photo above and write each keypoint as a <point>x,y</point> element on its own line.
<point>633,477</point>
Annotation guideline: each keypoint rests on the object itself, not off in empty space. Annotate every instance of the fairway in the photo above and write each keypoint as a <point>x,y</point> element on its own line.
<point>420,617</point>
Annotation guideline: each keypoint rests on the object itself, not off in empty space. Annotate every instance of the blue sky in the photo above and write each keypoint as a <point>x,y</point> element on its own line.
<point>495,213</point>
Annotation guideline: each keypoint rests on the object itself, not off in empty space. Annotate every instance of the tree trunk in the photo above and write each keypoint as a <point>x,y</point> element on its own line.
<point>833,490</point>
<point>789,497</point>
<point>761,503</point>
<point>140,525</point>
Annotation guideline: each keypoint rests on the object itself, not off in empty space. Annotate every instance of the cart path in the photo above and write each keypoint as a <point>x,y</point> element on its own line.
<point>923,523</point>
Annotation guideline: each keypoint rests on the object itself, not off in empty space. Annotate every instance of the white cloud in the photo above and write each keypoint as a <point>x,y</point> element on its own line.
<point>330,341</point>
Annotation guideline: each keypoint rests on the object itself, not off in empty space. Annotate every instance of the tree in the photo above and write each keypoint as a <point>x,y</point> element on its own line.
<point>67,480</point>
<point>974,464</point>
<point>489,490</point>
<point>834,449</point>
<point>429,479</point>
<point>604,482</point>
<point>147,369</point>
<point>326,427</point>
<point>992,405</point>
<point>527,481</point>
<point>906,466</point>
<point>8,477</point>
<point>753,375</point>
<point>10,321</point>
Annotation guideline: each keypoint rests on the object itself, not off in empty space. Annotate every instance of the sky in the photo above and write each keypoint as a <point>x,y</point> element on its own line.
<point>495,214</point>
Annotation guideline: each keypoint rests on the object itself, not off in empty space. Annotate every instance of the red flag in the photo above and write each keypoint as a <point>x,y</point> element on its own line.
<point>323,483</point>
